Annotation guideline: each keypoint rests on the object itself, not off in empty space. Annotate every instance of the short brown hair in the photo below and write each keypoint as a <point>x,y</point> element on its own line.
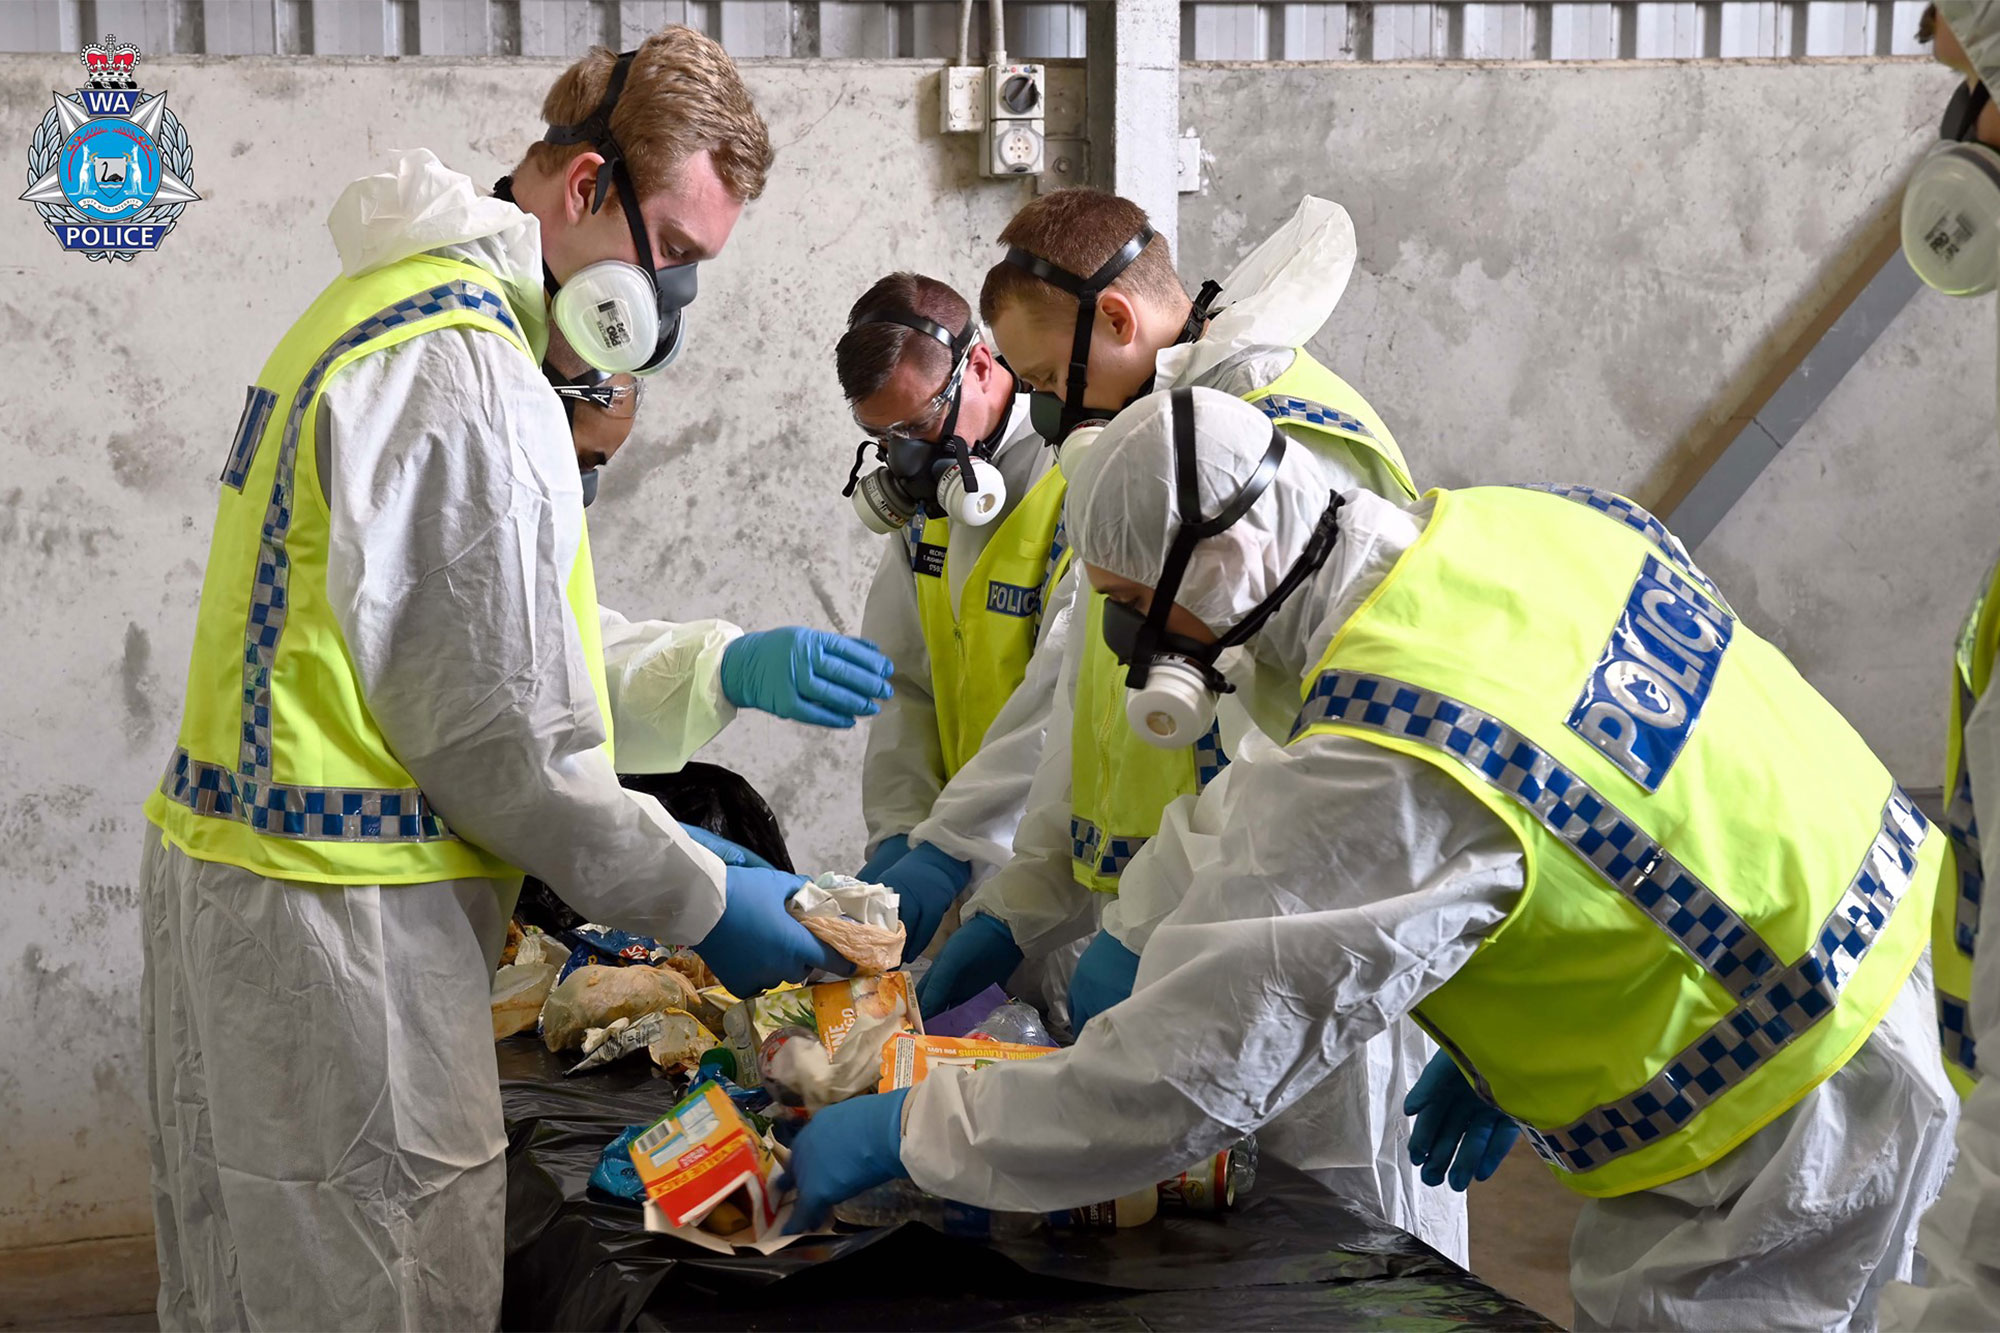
<point>1078,229</point>
<point>683,95</point>
<point>868,353</point>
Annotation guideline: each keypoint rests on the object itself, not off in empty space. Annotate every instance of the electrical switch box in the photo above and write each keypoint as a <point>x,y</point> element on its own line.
<point>1016,97</point>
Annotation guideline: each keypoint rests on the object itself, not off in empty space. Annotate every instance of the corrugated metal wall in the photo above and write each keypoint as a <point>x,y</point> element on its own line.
<point>929,28</point>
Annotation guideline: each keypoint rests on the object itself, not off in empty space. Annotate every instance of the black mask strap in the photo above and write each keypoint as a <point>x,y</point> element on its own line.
<point>1086,291</point>
<point>1961,115</point>
<point>1193,528</point>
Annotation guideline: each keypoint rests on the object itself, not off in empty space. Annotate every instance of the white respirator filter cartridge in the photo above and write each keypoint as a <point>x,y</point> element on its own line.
<point>973,508</point>
<point>1951,219</point>
<point>1174,708</point>
<point>881,504</point>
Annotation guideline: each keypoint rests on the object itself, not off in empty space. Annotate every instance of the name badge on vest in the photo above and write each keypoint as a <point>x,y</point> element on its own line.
<point>1646,692</point>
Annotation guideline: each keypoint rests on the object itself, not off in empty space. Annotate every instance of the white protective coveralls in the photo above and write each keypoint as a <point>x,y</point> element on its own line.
<point>1961,1234</point>
<point>904,790</point>
<point>1350,883</point>
<point>1350,1131</point>
<point>327,1147</point>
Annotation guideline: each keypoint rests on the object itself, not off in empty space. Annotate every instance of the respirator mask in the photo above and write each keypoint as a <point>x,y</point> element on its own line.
<point>620,317</point>
<point>1951,209</point>
<point>1057,418</point>
<point>952,477</point>
<point>1173,684</point>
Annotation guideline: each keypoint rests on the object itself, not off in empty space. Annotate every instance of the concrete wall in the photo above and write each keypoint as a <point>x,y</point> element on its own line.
<point>123,382</point>
<point>1561,270</point>
<point>1566,271</point>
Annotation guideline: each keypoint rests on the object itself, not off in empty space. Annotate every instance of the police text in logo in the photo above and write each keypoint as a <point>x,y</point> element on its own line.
<point>1646,692</point>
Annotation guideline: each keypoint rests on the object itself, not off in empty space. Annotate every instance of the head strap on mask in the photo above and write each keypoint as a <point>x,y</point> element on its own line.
<point>1086,291</point>
<point>1151,638</point>
<point>673,288</point>
<point>915,463</point>
<point>1961,115</point>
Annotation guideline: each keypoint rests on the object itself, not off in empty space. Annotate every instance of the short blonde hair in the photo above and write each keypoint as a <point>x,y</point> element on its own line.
<point>682,95</point>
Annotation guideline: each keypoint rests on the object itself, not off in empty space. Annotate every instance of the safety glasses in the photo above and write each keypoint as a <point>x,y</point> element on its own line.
<point>614,395</point>
<point>925,423</point>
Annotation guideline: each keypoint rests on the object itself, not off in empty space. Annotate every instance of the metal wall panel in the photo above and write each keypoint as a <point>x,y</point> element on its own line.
<point>1036,29</point>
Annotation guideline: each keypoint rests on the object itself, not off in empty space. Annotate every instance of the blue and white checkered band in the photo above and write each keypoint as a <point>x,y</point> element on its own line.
<point>1103,855</point>
<point>1643,697</point>
<point>1786,1006</point>
<point>317,814</point>
<point>1640,521</point>
<point>1775,1003</point>
<point>1058,548</point>
<point>1209,756</point>
<point>1107,854</point>
<point>255,791</point>
<point>1955,1033</point>
<point>1282,407</point>
<point>257,405</point>
<point>1613,845</point>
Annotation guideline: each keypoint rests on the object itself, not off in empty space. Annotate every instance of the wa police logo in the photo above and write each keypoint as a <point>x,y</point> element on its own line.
<point>109,168</point>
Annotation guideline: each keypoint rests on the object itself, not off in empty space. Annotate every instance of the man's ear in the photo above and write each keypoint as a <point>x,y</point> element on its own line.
<point>1117,316</point>
<point>580,185</point>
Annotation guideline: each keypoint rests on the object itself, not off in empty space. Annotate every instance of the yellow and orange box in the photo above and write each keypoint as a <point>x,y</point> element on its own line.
<point>910,1057</point>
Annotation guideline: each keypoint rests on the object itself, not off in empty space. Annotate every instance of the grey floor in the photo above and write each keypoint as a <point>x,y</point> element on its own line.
<point>1521,1222</point>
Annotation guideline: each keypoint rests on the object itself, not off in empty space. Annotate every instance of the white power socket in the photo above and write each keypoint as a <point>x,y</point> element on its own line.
<point>962,99</point>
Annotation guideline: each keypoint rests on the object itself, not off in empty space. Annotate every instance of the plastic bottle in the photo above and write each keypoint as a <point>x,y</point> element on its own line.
<point>1215,1185</point>
<point>1015,1022</point>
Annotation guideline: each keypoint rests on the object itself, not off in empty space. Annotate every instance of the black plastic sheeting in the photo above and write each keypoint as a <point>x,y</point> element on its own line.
<point>715,798</point>
<point>1293,1255</point>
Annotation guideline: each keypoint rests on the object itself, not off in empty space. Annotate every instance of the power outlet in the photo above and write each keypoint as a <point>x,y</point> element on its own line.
<point>962,99</point>
<point>1016,148</point>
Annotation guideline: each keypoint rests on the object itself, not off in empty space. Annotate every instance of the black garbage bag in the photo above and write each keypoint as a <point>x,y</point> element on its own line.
<point>707,795</point>
<point>1294,1255</point>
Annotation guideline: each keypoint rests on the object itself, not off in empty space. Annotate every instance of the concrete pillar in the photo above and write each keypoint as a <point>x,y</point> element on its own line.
<point>1134,95</point>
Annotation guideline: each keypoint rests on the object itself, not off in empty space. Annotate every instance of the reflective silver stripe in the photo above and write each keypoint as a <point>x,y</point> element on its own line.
<point>316,814</point>
<point>1776,1004</point>
<point>1637,518</point>
<point>1628,859</point>
<point>1752,1034</point>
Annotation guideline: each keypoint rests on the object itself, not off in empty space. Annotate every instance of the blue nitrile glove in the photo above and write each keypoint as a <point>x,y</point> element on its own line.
<point>1456,1128</point>
<point>732,853</point>
<point>806,675</point>
<point>893,849</point>
<point>981,954</point>
<point>758,944</point>
<point>927,882</point>
<point>849,1147</point>
<point>1103,976</point>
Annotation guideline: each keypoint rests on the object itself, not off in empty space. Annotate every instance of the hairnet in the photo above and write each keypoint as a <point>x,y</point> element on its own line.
<point>1124,513</point>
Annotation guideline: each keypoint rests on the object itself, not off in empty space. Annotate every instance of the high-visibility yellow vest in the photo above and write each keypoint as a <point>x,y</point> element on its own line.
<point>1725,889</point>
<point>280,768</point>
<point>1955,920</point>
<point>979,655</point>
<point>1120,785</point>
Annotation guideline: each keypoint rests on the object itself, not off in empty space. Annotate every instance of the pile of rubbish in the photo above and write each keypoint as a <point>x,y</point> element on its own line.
<point>747,1072</point>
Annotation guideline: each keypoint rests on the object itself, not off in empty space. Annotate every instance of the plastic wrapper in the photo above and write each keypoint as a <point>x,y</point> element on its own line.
<point>522,984</point>
<point>884,1004</point>
<point>1293,1255</point>
<point>596,997</point>
<point>857,918</point>
<point>674,1039</point>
